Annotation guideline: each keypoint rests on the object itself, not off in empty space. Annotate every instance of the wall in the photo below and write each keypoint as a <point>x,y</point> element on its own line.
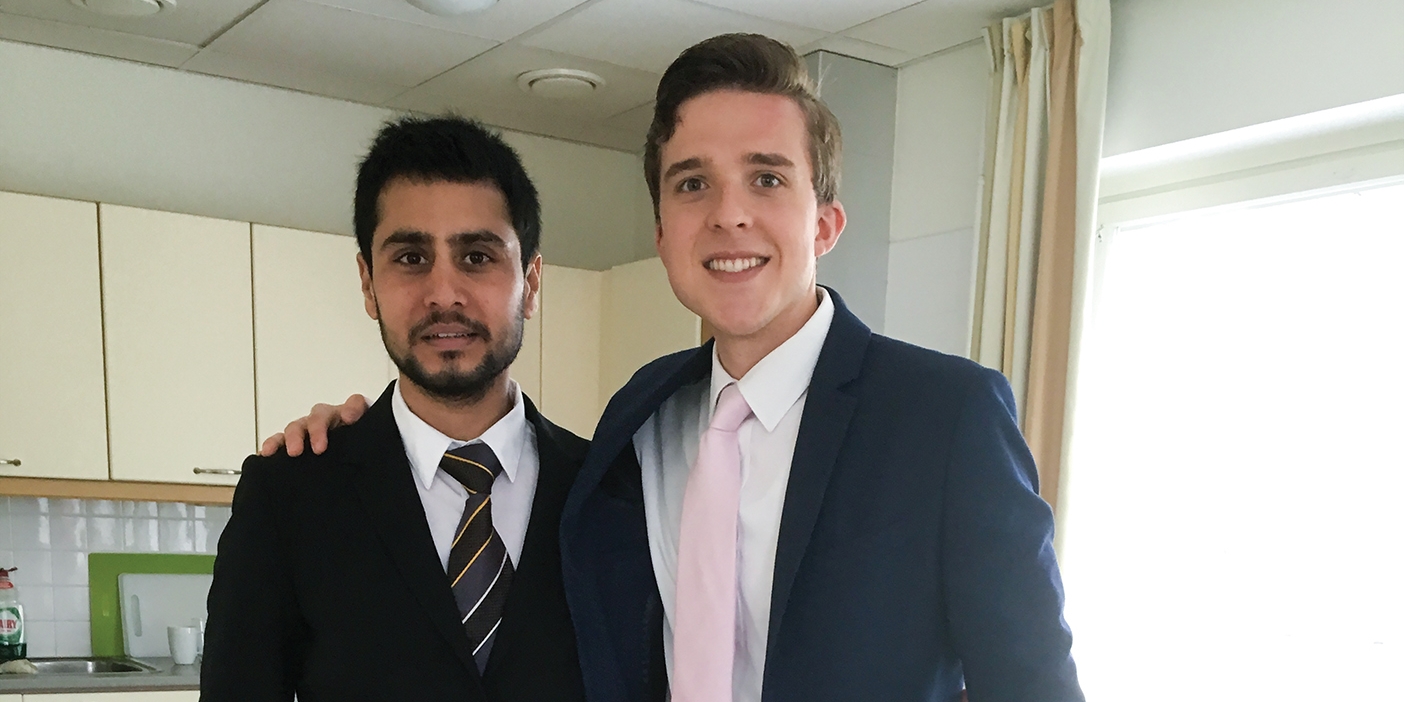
<point>1189,68</point>
<point>935,195</point>
<point>93,128</point>
<point>49,541</point>
<point>863,96</point>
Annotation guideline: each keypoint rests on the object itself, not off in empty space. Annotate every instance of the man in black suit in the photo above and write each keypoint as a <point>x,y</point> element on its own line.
<point>418,556</point>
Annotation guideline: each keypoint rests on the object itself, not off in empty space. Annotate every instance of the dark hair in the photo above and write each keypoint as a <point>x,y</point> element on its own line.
<point>750,63</point>
<point>445,149</point>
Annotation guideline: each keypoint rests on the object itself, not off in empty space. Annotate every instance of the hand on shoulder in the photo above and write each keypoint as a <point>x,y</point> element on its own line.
<point>312,430</point>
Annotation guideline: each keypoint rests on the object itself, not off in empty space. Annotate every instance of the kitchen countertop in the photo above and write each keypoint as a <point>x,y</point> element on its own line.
<point>167,676</point>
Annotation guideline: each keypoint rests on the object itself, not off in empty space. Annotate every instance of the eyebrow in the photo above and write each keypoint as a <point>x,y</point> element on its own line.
<point>775,160</point>
<point>413,236</point>
<point>687,164</point>
<point>691,164</point>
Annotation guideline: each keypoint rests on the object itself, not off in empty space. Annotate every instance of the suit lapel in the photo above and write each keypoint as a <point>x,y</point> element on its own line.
<point>639,399</point>
<point>384,482</point>
<point>823,427</point>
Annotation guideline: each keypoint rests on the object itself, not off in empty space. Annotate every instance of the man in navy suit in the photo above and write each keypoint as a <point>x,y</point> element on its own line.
<point>890,540</point>
<point>887,537</point>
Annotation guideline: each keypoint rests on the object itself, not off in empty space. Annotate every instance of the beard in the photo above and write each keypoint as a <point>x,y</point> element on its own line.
<point>453,386</point>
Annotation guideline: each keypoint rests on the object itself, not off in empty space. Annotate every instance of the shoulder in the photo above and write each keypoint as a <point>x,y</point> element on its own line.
<point>659,370</point>
<point>567,442</point>
<point>889,357</point>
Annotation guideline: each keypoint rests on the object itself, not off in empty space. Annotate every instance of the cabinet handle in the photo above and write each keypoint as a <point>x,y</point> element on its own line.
<point>10,462</point>
<point>218,471</point>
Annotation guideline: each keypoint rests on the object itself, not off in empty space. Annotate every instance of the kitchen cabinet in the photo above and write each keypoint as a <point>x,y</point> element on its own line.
<point>148,696</point>
<point>570,347</point>
<point>313,341</point>
<point>178,325</point>
<point>53,421</point>
<point>642,320</point>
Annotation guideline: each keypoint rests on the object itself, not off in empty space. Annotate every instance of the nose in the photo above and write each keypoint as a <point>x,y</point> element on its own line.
<point>444,287</point>
<point>730,209</point>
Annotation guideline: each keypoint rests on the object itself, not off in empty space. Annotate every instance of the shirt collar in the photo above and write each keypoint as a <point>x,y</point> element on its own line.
<point>425,446</point>
<point>778,381</point>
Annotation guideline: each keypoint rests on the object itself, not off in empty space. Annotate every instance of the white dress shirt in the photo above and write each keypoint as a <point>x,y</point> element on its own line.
<point>512,438</point>
<point>775,389</point>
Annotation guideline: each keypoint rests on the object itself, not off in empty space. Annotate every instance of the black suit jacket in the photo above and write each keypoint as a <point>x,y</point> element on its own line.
<point>914,553</point>
<point>327,583</point>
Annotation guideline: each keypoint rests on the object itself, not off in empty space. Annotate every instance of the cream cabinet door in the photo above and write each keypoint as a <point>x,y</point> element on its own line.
<point>526,370</point>
<point>150,696</point>
<point>53,421</point>
<point>178,312</point>
<point>313,341</point>
<point>570,347</point>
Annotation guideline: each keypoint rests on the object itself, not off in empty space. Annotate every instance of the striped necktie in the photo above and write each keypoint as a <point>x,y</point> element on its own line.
<point>478,566</point>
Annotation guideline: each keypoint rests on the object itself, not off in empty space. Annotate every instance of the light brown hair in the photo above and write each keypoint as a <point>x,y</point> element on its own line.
<point>750,63</point>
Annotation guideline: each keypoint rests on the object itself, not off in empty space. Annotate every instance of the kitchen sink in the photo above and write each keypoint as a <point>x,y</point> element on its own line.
<point>88,666</point>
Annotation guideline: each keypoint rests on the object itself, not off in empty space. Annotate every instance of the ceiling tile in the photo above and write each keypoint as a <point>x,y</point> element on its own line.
<point>649,34</point>
<point>826,15</point>
<point>635,121</point>
<point>490,80</point>
<point>503,21</point>
<point>95,41</point>
<point>284,74</point>
<point>937,24</point>
<point>560,126</point>
<point>351,44</point>
<point>190,22</point>
<point>860,49</point>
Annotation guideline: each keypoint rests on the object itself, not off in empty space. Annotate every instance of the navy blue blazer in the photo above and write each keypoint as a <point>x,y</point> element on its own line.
<point>915,556</point>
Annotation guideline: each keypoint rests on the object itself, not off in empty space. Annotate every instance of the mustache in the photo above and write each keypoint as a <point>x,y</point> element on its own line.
<point>473,326</point>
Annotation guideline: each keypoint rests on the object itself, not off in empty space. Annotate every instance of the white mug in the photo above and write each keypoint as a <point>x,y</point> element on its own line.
<point>183,642</point>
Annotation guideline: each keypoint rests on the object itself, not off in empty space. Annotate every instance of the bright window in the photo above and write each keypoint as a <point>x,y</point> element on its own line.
<point>1235,525</point>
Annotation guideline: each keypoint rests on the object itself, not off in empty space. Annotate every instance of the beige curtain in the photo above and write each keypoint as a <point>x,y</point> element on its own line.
<point>1043,149</point>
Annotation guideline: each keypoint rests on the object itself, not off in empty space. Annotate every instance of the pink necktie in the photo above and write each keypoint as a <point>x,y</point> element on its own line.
<point>704,638</point>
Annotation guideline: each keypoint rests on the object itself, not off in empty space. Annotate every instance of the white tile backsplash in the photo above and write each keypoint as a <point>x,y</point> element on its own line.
<point>70,604</point>
<point>38,602</point>
<point>49,540</point>
<point>70,568</point>
<point>35,568</point>
<point>104,535</point>
<point>68,533</point>
<point>73,638</point>
<point>39,634</point>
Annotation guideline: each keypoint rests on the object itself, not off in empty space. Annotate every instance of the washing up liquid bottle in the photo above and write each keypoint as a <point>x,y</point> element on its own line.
<point>12,645</point>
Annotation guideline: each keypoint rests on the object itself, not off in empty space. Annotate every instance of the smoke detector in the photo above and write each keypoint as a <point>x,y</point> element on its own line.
<point>126,8</point>
<point>560,83</point>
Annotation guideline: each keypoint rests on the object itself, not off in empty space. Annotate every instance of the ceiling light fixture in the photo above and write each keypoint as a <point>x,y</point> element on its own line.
<point>449,8</point>
<point>125,8</point>
<point>560,83</point>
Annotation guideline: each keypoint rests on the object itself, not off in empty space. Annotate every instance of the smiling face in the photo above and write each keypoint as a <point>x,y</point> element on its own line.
<point>447,286</point>
<point>740,229</point>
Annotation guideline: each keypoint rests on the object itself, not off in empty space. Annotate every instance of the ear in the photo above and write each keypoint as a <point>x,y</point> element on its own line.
<point>531,293</point>
<point>658,236</point>
<point>831,221</point>
<point>367,291</point>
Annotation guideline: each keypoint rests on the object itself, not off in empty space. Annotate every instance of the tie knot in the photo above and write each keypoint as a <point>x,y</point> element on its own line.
<point>474,465</point>
<point>731,410</point>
